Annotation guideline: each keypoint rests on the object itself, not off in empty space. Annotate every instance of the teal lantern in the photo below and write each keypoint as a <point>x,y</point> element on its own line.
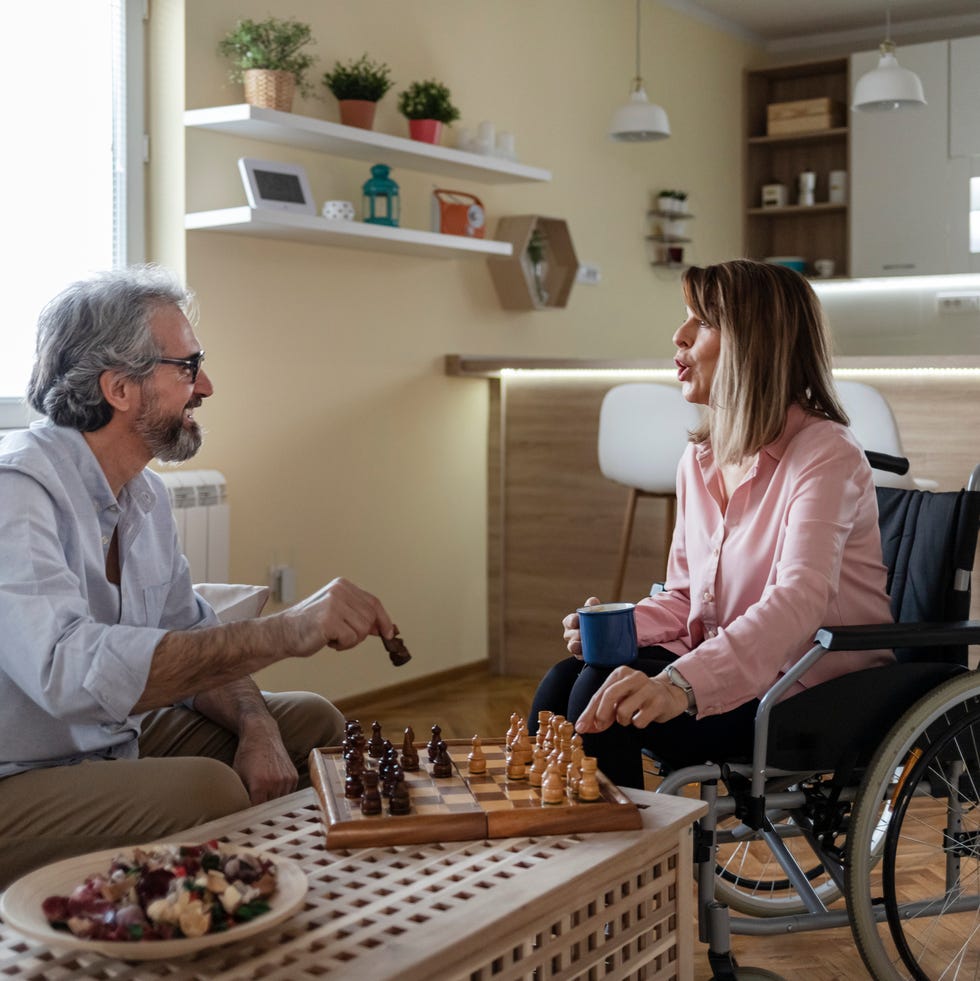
<point>381,202</point>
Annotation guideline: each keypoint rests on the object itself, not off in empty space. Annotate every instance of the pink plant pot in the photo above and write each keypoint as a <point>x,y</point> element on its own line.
<point>425,130</point>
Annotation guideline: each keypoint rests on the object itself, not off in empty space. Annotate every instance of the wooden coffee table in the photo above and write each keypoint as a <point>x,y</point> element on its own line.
<point>553,906</point>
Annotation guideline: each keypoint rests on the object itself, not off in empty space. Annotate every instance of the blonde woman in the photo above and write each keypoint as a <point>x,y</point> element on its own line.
<point>776,535</point>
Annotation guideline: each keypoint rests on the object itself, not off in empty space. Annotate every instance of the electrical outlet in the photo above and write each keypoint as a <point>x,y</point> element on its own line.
<point>588,275</point>
<point>954,303</point>
<point>282,579</point>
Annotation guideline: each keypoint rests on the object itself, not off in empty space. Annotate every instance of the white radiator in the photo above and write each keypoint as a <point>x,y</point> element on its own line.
<point>200,506</point>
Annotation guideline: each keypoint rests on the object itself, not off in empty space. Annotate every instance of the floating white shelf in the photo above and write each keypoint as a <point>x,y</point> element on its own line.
<point>272,126</point>
<point>268,223</point>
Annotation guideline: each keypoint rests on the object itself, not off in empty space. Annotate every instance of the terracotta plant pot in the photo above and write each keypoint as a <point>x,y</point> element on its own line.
<point>357,112</point>
<point>425,130</point>
<point>269,89</point>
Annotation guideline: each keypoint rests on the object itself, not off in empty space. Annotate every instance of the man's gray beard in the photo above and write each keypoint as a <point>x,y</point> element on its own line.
<point>181,446</point>
<point>168,439</point>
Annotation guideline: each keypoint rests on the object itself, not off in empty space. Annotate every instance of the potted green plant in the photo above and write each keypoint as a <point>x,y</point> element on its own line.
<point>536,252</point>
<point>358,86</point>
<point>427,106</point>
<point>268,57</point>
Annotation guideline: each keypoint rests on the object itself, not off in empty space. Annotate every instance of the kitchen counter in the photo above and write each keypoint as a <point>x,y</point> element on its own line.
<point>554,521</point>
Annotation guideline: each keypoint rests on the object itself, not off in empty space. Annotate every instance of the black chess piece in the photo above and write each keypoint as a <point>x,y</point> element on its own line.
<point>400,801</point>
<point>391,778</point>
<point>375,746</point>
<point>433,746</point>
<point>442,766</point>
<point>410,755</point>
<point>371,802</point>
<point>354,783</point>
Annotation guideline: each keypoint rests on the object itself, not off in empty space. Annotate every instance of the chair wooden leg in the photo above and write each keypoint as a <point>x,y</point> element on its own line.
<point>624,546</point>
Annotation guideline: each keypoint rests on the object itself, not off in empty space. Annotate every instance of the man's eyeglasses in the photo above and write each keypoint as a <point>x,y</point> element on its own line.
<point>192,364</point>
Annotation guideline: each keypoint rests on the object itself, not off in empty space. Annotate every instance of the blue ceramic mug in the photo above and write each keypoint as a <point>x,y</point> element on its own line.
<point>608,634</point>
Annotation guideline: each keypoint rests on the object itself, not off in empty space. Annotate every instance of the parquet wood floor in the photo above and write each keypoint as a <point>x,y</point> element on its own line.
<point>482,703</point>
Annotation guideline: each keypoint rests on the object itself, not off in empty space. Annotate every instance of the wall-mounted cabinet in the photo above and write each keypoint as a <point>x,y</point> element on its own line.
<point>817,231</point>
<point>272,126</point>
<point>909,197</point>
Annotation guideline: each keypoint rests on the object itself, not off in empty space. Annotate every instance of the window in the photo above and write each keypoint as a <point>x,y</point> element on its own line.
<point>73,186</point>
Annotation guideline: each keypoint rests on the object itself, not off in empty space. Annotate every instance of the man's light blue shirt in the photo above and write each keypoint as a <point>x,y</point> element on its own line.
<point>75,649</point>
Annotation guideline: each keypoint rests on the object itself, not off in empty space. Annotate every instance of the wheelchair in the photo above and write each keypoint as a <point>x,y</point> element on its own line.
<point>860,804</point>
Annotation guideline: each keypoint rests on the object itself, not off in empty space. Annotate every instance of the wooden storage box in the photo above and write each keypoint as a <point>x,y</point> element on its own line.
<point>803,116</point>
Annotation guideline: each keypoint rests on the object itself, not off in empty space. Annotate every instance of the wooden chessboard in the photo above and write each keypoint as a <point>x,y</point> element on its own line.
<point>461,807</point>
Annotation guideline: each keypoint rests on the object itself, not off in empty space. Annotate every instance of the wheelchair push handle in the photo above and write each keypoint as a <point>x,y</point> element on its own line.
<point>887,462</point>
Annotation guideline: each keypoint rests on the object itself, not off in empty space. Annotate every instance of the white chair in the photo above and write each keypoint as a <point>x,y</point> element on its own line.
<point>875,428</point>
<point>643,431</point>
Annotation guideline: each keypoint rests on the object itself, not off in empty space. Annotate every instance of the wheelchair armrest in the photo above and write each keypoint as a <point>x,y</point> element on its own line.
<point>871,636</point>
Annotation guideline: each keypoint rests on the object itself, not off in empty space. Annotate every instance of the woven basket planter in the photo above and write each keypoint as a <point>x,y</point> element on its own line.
<point>269,88</point>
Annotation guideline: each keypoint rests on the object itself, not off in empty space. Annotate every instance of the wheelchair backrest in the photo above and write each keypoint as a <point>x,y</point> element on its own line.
<point>928,543</point>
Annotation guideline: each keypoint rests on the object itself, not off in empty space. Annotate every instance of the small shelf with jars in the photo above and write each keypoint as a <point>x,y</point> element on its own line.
<point>669,236</point>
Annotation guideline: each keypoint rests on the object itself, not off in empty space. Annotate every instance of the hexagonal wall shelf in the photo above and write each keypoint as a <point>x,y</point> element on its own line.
<point>523,283</point>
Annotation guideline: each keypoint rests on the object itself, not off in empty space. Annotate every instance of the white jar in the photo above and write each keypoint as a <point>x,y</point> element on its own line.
<point>838,186</point>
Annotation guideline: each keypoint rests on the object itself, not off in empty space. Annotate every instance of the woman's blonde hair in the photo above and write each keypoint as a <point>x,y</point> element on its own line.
<point>775,352</point>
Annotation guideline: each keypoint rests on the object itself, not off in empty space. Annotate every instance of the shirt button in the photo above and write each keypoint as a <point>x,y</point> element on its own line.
<point>105,540</point>
<point>707,597</point>
<point>716,552</point>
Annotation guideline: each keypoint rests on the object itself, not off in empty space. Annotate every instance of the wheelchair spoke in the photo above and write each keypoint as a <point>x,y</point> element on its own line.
<point>928,884</point>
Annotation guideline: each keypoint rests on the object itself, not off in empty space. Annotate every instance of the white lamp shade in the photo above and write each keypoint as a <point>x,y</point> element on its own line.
<point>639,120</point>
<point>888,87</point>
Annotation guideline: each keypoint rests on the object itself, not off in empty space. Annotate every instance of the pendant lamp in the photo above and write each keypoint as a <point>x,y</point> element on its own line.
<point>889,86</point>
<point>639,120</point>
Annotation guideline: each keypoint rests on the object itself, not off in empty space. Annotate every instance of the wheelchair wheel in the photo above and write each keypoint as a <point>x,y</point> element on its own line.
<point>750,880</point>
<point>933,924</point>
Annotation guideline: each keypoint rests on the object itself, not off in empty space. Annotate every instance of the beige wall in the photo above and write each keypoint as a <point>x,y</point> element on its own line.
<point>347,450</point>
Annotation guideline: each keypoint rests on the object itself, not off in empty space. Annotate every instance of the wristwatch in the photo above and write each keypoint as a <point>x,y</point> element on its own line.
<point>679,681</point>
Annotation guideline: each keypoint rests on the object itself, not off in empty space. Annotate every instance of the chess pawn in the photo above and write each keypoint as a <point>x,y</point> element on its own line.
<point>511,736</point>
<point>442,766</point>
<point>516,770</point>
<point>433,746</point>
<point>410,755</point>
<point>354,783</point>
<point>385,759</point>
<point>571,779</point>
<point>371,799</point>
<point>552,787</point>
<point>477,760</point>
<point>400,801</point>
<point>588,785</point>
<point>391,778</point>
<point>536,774</point>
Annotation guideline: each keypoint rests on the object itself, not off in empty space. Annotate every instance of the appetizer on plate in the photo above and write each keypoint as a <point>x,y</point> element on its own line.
<point>167,892</point>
